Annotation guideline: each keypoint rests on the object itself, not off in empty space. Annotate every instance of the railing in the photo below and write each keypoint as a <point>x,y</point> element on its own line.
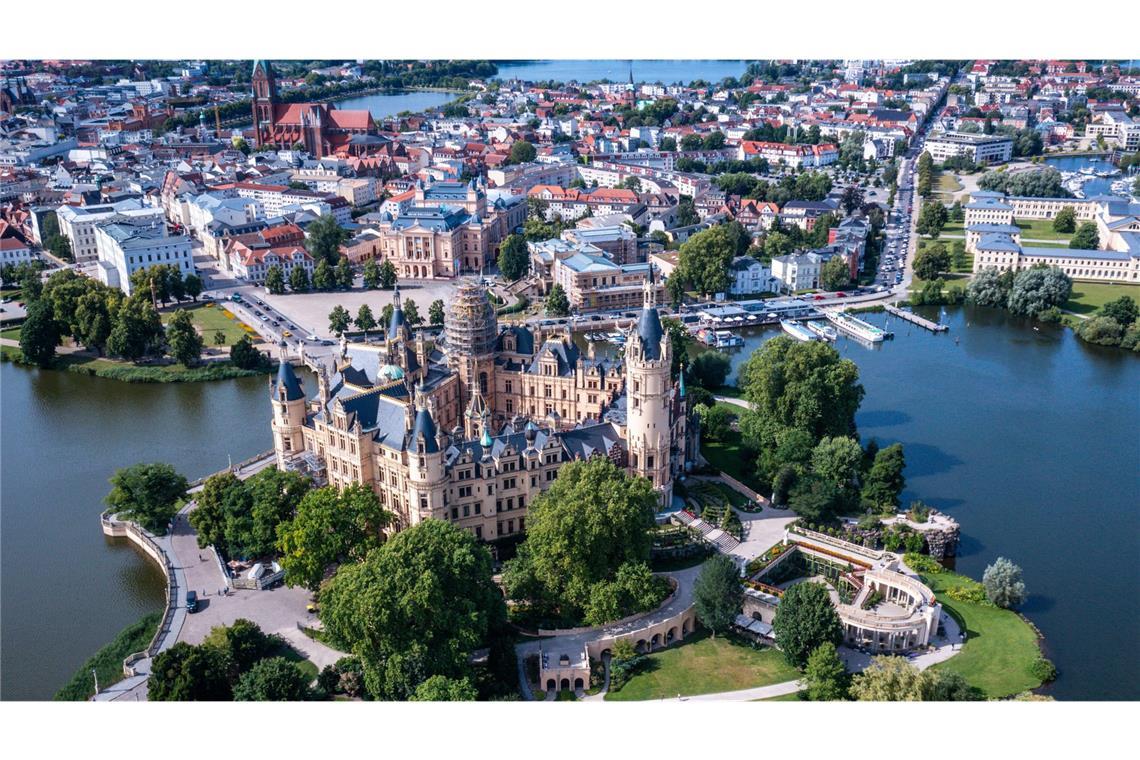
<point>838,543</point>
<point>234,468</point>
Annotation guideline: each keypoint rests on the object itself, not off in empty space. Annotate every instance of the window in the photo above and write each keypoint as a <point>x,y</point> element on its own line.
<point>455,513</point>
<point>464,492</point>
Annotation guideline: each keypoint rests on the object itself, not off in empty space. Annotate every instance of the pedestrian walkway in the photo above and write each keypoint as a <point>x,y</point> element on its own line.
<point>747,695</point>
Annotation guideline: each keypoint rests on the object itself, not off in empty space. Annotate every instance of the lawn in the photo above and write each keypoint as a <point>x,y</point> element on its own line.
<point>305,665</point>
<point>1087,297</point>
<point>1000,645</point>
<point>108,661</point>
<point>12,333</point>
<point>729,455</point>
<point>945,183</point>
<point>704,665</point>
<point>209,318</point>
<point>1041,229</point>
<point>793,697</point>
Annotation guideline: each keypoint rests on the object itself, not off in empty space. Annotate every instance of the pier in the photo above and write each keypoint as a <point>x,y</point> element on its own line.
<point>913,318</point>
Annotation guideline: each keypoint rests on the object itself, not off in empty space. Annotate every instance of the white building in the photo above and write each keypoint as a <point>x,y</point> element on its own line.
<point>797,271</point>
<point>78,223</point>
<point>750,275</point>
<point>207,208</point>
<point>981,149</point>
<point>124,247</point>
<point>14,251</point>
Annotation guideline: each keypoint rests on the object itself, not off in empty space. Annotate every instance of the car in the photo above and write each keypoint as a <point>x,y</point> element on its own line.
<point>191,601</point>
<point>286,334</point>
<point>236,297</point>
<point>818,297</point>
<point>207,297</point>
<point>328,343</point>
<point>841,294</point>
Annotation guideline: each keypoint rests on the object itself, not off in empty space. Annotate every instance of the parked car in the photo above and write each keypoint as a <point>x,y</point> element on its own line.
<point>191,601</point>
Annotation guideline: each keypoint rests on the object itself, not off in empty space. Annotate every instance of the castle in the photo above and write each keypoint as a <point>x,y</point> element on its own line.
<point>473,428</point>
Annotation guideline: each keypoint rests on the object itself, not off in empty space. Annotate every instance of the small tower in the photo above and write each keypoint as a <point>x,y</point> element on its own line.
<point>264,102</point>
<point>648,356</point>
<point>426,478</point>
<point>288,399</point>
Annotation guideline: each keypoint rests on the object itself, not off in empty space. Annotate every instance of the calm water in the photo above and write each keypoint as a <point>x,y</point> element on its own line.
<point>1094,187</point>
<point>382,105</point>
<point>665,72</point>
<point>1031,440</point>
<point>66,589</point>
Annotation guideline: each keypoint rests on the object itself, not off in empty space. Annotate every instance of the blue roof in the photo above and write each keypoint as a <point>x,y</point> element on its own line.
<point>650,330</point>
<point>998,241</point>
<point>287,379</point>
<point>1075,253</point>
<point>423,434</point>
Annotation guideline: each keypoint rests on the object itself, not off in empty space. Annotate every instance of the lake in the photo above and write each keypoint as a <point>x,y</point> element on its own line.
<point>1028,438</point>
<point>1094,187</point>
<point>663,71</point>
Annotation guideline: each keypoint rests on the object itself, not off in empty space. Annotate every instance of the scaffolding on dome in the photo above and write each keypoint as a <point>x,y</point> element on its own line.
<point>470,324</point>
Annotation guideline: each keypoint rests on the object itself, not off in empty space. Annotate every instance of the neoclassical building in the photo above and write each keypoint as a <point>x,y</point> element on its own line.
<point>472,428</point>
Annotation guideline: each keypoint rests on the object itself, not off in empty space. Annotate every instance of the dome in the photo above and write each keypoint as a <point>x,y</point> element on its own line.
<point>391,372</point>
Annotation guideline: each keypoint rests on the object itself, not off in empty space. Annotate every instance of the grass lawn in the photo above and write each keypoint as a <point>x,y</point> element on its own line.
<point>704,665</point>
<point>1089,296</point>
<point>12,333</point>
<point>305,665</point>
<point>729,456</point>
<point>793,697</point>
<point>209,318</point>
<point>108,661</point>
<point>1041,229</point>
<point>945,183</point>
<point>1000,645</point>
<point>566,696</point>
<point>954,228</point>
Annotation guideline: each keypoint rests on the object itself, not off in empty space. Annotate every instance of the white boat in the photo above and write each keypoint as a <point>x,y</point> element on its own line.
<point>855,326</point>
<point>797,331</point>
<point>827,332</point>
<point>1088,170</point>
<point>725,339</point>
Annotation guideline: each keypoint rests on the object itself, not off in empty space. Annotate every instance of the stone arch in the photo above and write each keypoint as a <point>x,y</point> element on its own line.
<point>671,635</point>
<point>685,628</point>
<point>564,685</point>
<point>579,683</point>
<point>640,647</point>
<point>550,684</point>
<point>655,642</point>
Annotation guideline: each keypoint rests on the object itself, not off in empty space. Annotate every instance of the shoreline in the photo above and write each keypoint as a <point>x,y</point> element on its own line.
<point>110,658</point>
<point>130,373</point>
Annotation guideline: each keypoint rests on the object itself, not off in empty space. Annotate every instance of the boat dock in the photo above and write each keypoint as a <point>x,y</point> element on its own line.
<point>913,318</point>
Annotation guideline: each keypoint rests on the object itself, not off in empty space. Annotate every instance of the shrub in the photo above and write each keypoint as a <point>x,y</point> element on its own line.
<point>971,592</point>
<point>1043,669</point>
<point>921,563</point>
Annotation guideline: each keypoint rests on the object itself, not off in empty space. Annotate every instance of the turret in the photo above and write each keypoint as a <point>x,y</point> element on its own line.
<point>648,357</point>
<point>426,480</point>
<point>288,400</point>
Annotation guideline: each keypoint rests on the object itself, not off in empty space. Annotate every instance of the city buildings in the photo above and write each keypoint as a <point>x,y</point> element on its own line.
<point>980,148</point>
<point>127,246</point>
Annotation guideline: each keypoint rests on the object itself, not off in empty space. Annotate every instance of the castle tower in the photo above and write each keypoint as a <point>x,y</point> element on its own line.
<point>426,477</point>
<point>288,399</point>
<point>264,101</point>
<point>648,388</point>
<point>472,330</point>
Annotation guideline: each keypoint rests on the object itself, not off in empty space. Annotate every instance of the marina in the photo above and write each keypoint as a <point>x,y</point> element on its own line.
<point>854,326</point>
<point>910,316</point>
<point>798,331</point>
<point>826,332</point>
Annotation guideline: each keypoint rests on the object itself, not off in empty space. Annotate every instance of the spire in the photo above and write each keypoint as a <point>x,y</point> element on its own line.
<point>682,389</point>
<point>397,325</point>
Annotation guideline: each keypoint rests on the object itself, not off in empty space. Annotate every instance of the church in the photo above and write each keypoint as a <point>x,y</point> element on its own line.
<point>321,128</point>
<point>472,428</point>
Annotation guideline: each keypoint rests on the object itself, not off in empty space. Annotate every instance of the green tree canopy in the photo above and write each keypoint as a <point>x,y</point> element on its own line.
<point>717,593</point>
<point>323,239</point>
<point>706,258</point>
<point>522,152</point>
<point>835,274</point>
<point>825,674</point>
<point>148,494</point>
<point>1038,288</point>
<point>244,355</point>
<point>186,673</point>
<point>591,521</point>
<point>893,679</point>
<point>436,312</point>
<point>185,342</point>
<point>805,619</point>
<point>299,280</point>
<point>387,275</point>
<point>364,319</point>
<point>931,260</point>
<point>1065,220</point>
<point>709,370</point>
<point>444,689</point>
<point>557,304</point>
<point>339,318</point>
<point>39,335</point>
<point>514,259</point>
<point>272,680</point>
<point>275,279</point>
<point>415,607</point>
<point>885,482</point>
<point>1003,584</point>
<point>371,274</point>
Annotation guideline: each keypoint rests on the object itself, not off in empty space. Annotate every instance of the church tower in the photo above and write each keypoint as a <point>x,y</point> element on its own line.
<point>288,399</point>
<point>648,388</point>
<point>264,101</point>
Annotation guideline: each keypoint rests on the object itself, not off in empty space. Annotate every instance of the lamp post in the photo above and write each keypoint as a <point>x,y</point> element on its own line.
<point>96,677</point>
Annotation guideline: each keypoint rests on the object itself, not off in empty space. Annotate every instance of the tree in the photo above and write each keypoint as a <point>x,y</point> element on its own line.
<point>835,274</point>
<point>137,329</point>
<point>852,199</point>
<point>801,385</point>
<point>557,304</point>
<point>364,319</point>
<point>931,260</point>
<point>1037,289</point>
<point>777,243</point>
<point>244,355</point>
<point>244,643</point>
<point>805,619</point>
<point>1122,309</point>
<point>931,219</point>
<point>514,259</point>
<point>371,274</point>
<point>387,275</point>
<point>691,141</point>
<point>412,312</point>
<point>329,527</point>
<point>715,422</point>
<point>435,312</point>
<point>1003,584</point>
<point>709,370</point>
<point>186,673</point>
<point>444,689</point>
<point>339,318</point>
<point>415,607</point>
<point>185,342</point>
<point>343,274</point>
<point>324,277</point>
<point>989,287</point>
<point>323,239</point>
<point>192,285</point>
<point>275,279</point>
<point>815,499</point>
<point>1065,220</point>
<point>591,521</point>
<point>39,335</point>
<point>1086,237</point>
<point>522,152</point>
<point>885,482</point>
<point>837,460</point>
<point>219,337</point>
<point>706,258</point>
<point>148,494</point>
<point>92,320</point>
<point>272,680</point>
<point>717,594</point>
<point>893,679</point>
<point>825,675</point>
<point>299,279</point>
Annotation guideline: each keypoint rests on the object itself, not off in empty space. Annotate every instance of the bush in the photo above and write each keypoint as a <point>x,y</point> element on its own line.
<point>921,563</point>
<point>971,593</point>
<point>1043,669</point>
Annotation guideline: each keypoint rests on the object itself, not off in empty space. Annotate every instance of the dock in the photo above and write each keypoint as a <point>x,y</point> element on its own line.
<point>913,318</point>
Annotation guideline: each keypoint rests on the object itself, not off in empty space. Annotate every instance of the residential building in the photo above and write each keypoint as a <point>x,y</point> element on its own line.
<point>126,246</point>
